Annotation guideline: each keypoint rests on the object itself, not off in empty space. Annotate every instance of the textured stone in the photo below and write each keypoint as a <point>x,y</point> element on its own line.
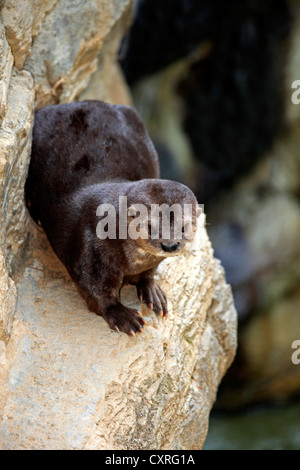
<point>15,145</point>
<point>7,303</point>
<point>75,384</point>
<point>6,63</point>
<point>17,18</point>
<point>65,52</point>
<point>107,83</point>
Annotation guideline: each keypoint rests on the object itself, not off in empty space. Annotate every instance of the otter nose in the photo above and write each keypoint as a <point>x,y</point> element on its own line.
<point>169,248</point>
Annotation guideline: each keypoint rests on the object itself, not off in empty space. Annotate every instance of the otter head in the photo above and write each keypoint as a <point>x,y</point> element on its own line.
<point>162,217</point>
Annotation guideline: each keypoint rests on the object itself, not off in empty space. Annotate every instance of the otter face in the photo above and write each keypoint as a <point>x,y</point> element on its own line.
<point>163,232</point>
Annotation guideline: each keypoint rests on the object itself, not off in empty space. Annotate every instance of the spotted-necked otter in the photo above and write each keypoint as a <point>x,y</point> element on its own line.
<point>89,153</point>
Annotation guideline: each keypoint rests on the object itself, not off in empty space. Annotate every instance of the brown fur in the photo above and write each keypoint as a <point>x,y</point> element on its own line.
<point>85,154</point>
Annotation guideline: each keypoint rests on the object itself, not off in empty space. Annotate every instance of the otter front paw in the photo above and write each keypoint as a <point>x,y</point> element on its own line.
<point>124,319</point>
<point>150,293</point>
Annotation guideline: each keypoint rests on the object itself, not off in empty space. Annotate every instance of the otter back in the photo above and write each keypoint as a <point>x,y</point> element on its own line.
<point>84,143</point>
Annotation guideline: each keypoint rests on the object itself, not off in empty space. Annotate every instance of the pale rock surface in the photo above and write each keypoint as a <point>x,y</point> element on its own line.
<point>8,301</point>
<point>15,145</point>
<point>6,63</point>
<point>72,383</point>
<point>108,83</point>
<point>65,53</point>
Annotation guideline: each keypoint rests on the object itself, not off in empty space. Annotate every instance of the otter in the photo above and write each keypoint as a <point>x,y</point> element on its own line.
<point>86,154</point>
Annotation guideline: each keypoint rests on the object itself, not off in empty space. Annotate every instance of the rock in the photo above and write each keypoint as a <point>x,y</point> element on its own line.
<point>107,83</point>
<point>15,146</point>
<point>6,63</point>
<point>18,19</point>
<point>72,383</point>
<point>8,301</point>
<point>65,52</point>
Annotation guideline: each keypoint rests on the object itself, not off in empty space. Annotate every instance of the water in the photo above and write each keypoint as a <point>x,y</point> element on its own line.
<point>268,428</point>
